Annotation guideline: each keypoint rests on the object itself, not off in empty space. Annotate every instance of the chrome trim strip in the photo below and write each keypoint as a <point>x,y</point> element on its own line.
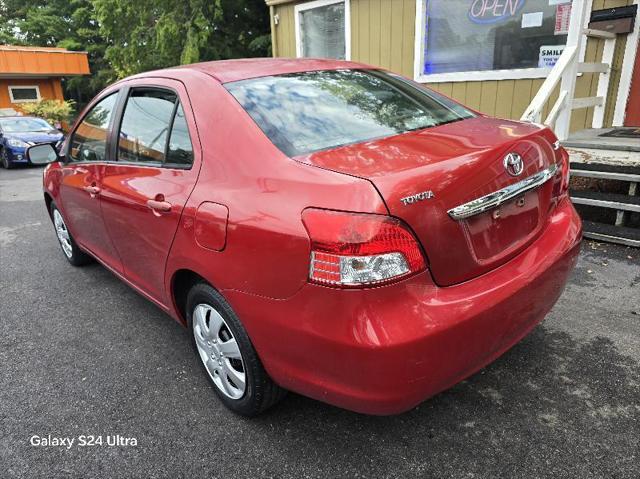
<point>495,199</point>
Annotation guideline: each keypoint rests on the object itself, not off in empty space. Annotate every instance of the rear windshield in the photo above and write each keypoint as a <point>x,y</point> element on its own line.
<point>311,111</point>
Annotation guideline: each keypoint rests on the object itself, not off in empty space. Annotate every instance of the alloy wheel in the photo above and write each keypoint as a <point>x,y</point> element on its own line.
<point>63,233</point>
<point>219,351</point>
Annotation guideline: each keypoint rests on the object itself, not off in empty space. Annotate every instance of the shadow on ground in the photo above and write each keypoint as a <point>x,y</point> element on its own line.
<point>550,405</point>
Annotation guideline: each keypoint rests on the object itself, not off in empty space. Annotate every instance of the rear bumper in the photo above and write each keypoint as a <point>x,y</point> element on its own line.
<point>385,350</point>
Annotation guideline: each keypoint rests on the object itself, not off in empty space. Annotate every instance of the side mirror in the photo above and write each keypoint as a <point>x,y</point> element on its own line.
<point>42,154</point>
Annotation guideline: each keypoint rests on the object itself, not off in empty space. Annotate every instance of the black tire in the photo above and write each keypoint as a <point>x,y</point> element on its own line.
<point>4,160</point>
<point>77,257</point>
<point>260,392</point>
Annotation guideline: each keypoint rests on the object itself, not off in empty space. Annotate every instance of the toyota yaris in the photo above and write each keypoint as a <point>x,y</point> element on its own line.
<point>323,227</point>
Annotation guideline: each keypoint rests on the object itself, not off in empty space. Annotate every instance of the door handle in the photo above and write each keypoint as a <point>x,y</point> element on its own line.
<point>160,206</point>
<point>92,190</point>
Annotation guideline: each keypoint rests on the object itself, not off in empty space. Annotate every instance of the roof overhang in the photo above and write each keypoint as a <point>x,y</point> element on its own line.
<point>36,62</point>
<point>277,2</point>
<point>26,76</point>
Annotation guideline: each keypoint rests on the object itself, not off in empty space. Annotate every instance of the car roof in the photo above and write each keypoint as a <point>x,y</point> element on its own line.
<point>243,69</point>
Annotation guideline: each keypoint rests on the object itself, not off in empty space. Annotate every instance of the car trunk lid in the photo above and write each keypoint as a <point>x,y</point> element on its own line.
<point>422,175</point>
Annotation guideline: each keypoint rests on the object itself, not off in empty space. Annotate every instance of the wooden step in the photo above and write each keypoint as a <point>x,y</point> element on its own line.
<point>624,205</point>
<point>606,172</point>
<point>606,200</point>
<point>593,139</point>
<point>612,234</point>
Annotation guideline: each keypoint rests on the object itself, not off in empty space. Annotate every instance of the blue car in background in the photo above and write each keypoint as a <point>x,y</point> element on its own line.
<point>17,133</point>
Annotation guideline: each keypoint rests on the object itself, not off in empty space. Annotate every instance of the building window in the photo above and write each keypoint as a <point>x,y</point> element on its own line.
<point>323,30</point>
<point>490,39</point>
<point>21,94</point>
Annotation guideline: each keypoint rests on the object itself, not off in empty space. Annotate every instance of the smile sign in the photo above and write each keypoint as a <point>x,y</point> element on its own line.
<point>493,11</point>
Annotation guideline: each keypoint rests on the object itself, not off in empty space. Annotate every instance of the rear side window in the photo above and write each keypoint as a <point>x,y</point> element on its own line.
<point>89,141</point>
<point>145,125</point>
<point>311,111</point>
<point>179,150</point>
<point>154,129</point>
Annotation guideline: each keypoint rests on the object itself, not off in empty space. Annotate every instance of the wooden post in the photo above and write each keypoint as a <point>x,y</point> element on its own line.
<point>568,82</point>
<point>603,82</point>
<point>274,38</point>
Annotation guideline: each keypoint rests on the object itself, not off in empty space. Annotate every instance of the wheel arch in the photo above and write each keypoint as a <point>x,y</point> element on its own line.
<point>48,200</point>
<point>182,281</point>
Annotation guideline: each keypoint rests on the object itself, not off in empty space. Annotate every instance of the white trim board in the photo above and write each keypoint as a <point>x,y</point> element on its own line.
<point>626,74</point>
<point>517,74</point>
<point>23,87</point>
<point>322,3</point>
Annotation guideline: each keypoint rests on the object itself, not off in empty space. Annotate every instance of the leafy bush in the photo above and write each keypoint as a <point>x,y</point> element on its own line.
<point>54,111</point>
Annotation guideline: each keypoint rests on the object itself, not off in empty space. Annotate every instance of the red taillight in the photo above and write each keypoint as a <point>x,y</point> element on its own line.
<point>564,186</point>
<point>355,250</point>
<point>561,185</point>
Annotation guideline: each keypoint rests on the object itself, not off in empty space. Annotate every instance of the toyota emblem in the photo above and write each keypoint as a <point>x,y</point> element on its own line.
<point>513,164</point>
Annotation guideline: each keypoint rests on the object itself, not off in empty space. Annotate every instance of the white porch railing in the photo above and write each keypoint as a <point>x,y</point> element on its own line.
<point>566,71</point>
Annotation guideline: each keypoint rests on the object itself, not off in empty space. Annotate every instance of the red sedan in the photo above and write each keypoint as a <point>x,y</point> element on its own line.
<point>323,227</point>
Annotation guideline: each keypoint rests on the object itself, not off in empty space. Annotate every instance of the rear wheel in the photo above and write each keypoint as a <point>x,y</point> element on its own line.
<point>227,355</point>
<point>71,251</point>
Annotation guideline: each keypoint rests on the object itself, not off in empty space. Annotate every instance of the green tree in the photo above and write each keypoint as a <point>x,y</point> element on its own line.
<point>148,34</point>
<point>123,37</point>
<point>68,24</point>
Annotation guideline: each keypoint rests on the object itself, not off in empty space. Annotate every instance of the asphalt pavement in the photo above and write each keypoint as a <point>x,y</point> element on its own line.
<point>81,354</point>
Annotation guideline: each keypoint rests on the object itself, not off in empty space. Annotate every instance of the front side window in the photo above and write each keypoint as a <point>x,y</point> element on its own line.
<point>145,125</point>
<point>483,36</point>
<point>320,29</point>
<point>311,111</point>
<point>89,141</point>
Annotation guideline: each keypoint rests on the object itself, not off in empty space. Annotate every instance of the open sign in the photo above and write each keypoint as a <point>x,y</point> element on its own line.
<point>493,11</point>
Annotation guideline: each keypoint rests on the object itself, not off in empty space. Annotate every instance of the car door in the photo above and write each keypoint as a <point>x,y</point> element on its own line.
<point>87,152</point>
<point>145,189</point>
